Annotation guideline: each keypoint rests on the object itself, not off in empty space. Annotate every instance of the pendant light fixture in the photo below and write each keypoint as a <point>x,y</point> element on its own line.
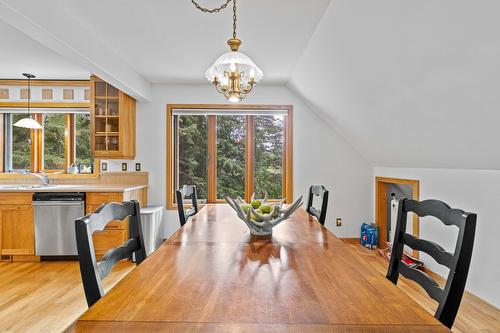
<point>28,122</point>
<point>233,74</point>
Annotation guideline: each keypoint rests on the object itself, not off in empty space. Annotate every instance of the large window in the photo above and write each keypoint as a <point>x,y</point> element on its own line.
<point>268,161</point>
<point>229,151</point>
<point>191,152</point>
<point>20,144</point>
<point>83,158</point>
<point>63,142</point>
<point>231,132</point>
<point>54,125</point>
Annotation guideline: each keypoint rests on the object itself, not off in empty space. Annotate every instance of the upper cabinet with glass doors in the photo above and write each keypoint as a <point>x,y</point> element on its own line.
<point>113,121</point>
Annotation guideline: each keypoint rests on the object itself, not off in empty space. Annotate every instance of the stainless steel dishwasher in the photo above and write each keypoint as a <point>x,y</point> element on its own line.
<point>55,214</point>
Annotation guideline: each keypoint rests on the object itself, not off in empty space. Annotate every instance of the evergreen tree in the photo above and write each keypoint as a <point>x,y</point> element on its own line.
<point>231,137</point>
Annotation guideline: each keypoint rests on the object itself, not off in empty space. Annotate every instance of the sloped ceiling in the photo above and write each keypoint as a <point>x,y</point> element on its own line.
<point>409,83</point>
<point>19,54</point>
<point>171,41</point>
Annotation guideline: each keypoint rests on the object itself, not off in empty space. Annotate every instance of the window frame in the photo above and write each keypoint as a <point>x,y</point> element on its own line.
<point>69,143</point>
<point>212,149</point>
<point>37,149</point>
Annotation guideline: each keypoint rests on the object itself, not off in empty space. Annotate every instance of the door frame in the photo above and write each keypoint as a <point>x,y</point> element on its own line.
<point>381,212</point>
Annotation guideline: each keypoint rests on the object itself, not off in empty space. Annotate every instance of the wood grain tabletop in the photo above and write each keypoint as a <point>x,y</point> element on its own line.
<point>211,277</point>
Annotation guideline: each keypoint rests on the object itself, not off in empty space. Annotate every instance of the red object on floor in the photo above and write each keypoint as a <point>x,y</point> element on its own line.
<point>406,259</point>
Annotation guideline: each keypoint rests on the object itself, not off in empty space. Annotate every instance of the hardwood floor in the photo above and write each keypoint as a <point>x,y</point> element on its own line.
<point>48,296</point>
<point>45,296</point>
<point>475,315</point>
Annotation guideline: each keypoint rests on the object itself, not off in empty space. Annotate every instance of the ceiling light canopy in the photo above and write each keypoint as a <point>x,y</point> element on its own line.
<point>233,74</point>
<point>28,122</point>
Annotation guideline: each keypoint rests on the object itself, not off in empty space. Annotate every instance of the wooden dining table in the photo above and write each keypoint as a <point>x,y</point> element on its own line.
<point>212,276</point>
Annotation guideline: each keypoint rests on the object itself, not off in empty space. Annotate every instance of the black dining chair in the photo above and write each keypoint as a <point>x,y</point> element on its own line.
<point>94,271</point>
<point>182,193</point>
<point>322,193</point>
<point>458,262</point>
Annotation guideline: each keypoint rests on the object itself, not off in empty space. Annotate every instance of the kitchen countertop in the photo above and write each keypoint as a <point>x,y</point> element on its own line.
<point>70,188</point>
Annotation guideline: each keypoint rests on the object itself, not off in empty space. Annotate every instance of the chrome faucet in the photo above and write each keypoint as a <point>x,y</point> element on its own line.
<point>42,176</point>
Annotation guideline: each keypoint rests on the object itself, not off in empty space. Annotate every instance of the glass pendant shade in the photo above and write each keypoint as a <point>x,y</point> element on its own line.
<point>230,61</point>
<point>28,123</point>
<point>234,73</point>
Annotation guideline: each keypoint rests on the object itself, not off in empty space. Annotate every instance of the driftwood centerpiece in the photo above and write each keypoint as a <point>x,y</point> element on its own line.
<point>261,216</point>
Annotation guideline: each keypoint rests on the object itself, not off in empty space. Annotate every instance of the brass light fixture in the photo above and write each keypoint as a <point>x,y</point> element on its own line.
<point>28,122</point>
<point>233,74</point>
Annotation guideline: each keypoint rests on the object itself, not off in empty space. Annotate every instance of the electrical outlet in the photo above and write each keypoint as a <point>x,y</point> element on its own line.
<point>339,222</point>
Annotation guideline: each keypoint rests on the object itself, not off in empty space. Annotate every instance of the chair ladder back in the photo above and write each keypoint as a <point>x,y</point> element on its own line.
<point>458,262</point>
<point>94,271</point>
<point>185,191</point>
<point>321,192</point>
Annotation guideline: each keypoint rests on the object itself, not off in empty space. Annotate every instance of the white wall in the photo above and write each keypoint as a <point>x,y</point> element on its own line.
<point>475,191</point>
<point>388,69</point>
<point>320,155</point>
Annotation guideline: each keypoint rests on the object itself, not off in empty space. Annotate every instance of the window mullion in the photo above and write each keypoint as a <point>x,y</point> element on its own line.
<point>4,141</point>
<point>212,159</point>
<point>249,157</point>
<point>37,145</point>
<point>288,157</point>
<point>69,140</point>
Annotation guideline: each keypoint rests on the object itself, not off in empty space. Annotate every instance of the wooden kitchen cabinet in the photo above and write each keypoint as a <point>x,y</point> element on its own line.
<point>115,233</point>
<point>17,228</point>
<point>112,121</point>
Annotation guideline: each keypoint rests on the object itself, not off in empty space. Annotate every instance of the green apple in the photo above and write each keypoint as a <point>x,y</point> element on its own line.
<point>254,217</point>
<point>265,209</point>
<point>246,207</point>
<point>256,204</point>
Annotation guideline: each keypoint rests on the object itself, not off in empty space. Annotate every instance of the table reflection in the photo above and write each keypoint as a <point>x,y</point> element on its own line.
<point>265,260</point>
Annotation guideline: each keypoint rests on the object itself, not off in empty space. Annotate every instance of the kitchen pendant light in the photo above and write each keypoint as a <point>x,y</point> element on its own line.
<point>233,74</point>
<point>28,122</point>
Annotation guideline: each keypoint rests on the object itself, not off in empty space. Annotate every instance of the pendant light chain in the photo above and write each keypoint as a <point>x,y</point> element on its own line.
<point>29,96</point>
<point>234,18</point>
<point>213,10</point>
<point>218,9</point>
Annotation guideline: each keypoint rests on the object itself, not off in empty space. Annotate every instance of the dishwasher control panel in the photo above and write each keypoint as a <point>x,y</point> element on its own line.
<point>59,196</point>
